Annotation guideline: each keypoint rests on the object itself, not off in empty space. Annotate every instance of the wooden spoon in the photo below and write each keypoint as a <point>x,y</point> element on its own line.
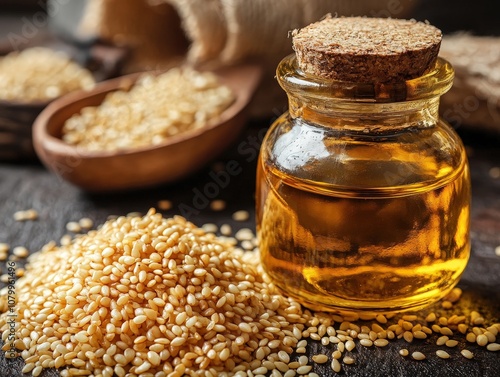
<point>175,158</point>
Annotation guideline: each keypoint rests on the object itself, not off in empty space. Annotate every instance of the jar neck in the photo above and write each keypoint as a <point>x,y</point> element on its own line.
<point>366,117</point>
<point>365,106</point>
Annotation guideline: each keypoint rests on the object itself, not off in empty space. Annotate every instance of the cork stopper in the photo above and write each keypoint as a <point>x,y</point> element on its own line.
<point>370,50</point>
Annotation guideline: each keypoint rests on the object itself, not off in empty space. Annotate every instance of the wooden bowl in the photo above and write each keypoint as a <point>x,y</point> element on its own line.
<point>17,117</point>
<point>175,158</point>
<point>16,120</point>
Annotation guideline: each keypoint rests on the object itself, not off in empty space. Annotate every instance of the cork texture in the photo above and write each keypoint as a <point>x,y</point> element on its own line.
<point>360,49</point>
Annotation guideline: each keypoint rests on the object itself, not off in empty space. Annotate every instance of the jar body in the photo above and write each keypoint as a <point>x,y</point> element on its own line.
<point>362,218</point>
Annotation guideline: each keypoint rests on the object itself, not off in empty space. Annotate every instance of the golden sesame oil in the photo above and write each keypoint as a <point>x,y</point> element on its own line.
<point>391,240</point>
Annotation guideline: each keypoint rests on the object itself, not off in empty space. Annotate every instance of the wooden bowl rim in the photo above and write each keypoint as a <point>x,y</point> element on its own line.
<point>251,75</point>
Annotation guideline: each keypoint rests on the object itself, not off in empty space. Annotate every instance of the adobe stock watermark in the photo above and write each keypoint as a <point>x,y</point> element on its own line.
<point>202,196</point>
<point>11,315</point>
<point>31,26</point>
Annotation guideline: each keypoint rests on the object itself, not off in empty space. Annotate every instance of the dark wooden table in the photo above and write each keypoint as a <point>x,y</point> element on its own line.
<point>24,186</point>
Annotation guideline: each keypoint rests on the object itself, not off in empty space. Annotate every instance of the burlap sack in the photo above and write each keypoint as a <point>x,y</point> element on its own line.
<point>153,33</point>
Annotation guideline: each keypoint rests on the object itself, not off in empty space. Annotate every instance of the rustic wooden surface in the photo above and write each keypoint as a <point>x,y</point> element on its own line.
<point>24,186</point>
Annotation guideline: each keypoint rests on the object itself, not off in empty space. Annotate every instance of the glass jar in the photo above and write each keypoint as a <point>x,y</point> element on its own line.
<point>363,193</point>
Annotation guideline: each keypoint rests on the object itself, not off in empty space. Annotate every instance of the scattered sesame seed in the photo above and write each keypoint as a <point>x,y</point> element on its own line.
<point>492,329</point>
<point>284,357</point>
<point>431,317</point>
<point>442,354</point>
<point>244,234</point>
<point>28,368</point>
<point>241,215</point>
<point>471,337</point>
<point>65,240</point>
<point>294,365</point>
<point>491,337</point>
<point>164,205</point>
<point>482,340</point>
<point>218,205</point>
<point>493,347</point>
<point>303,360</point>
<point>462,328</point>
<point>477,331</point>
<point>418,355</point>
<point>381,342</point>
<point>20,251</point>
<point>86,223</point>
<point>350,345</point>
<point>446,331</point>
<point>408,336</point>
<point>134,214</point>
<point>226,230</point>
<point>348,360</point>
<point>37,371</point>
<point>73,227</point>
<point>446,304</point>
<point>320,359</point>
<point>260,370</point>
<point>467,354</point>
<point>341,346</point>
<point>210,228</point>
<point>407,325</point>
<point>451,343</point>
<point>381,318</point>
<point>436,328</point>
<point>302,343</point>
<point>441,340</point>
<point>478,321</point>
<point>366,342</point>
<point>304,369</point>
<point>403,352</point>
<point>419,334</point>
<point>27,215</point>
<point>247,245</point>
<point>454,295</point>
<point>336,366</point>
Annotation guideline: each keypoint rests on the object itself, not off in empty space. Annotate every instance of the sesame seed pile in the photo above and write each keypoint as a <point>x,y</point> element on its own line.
<point>40,74</point>
<point>153,110</point>
<point>160,297</point>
